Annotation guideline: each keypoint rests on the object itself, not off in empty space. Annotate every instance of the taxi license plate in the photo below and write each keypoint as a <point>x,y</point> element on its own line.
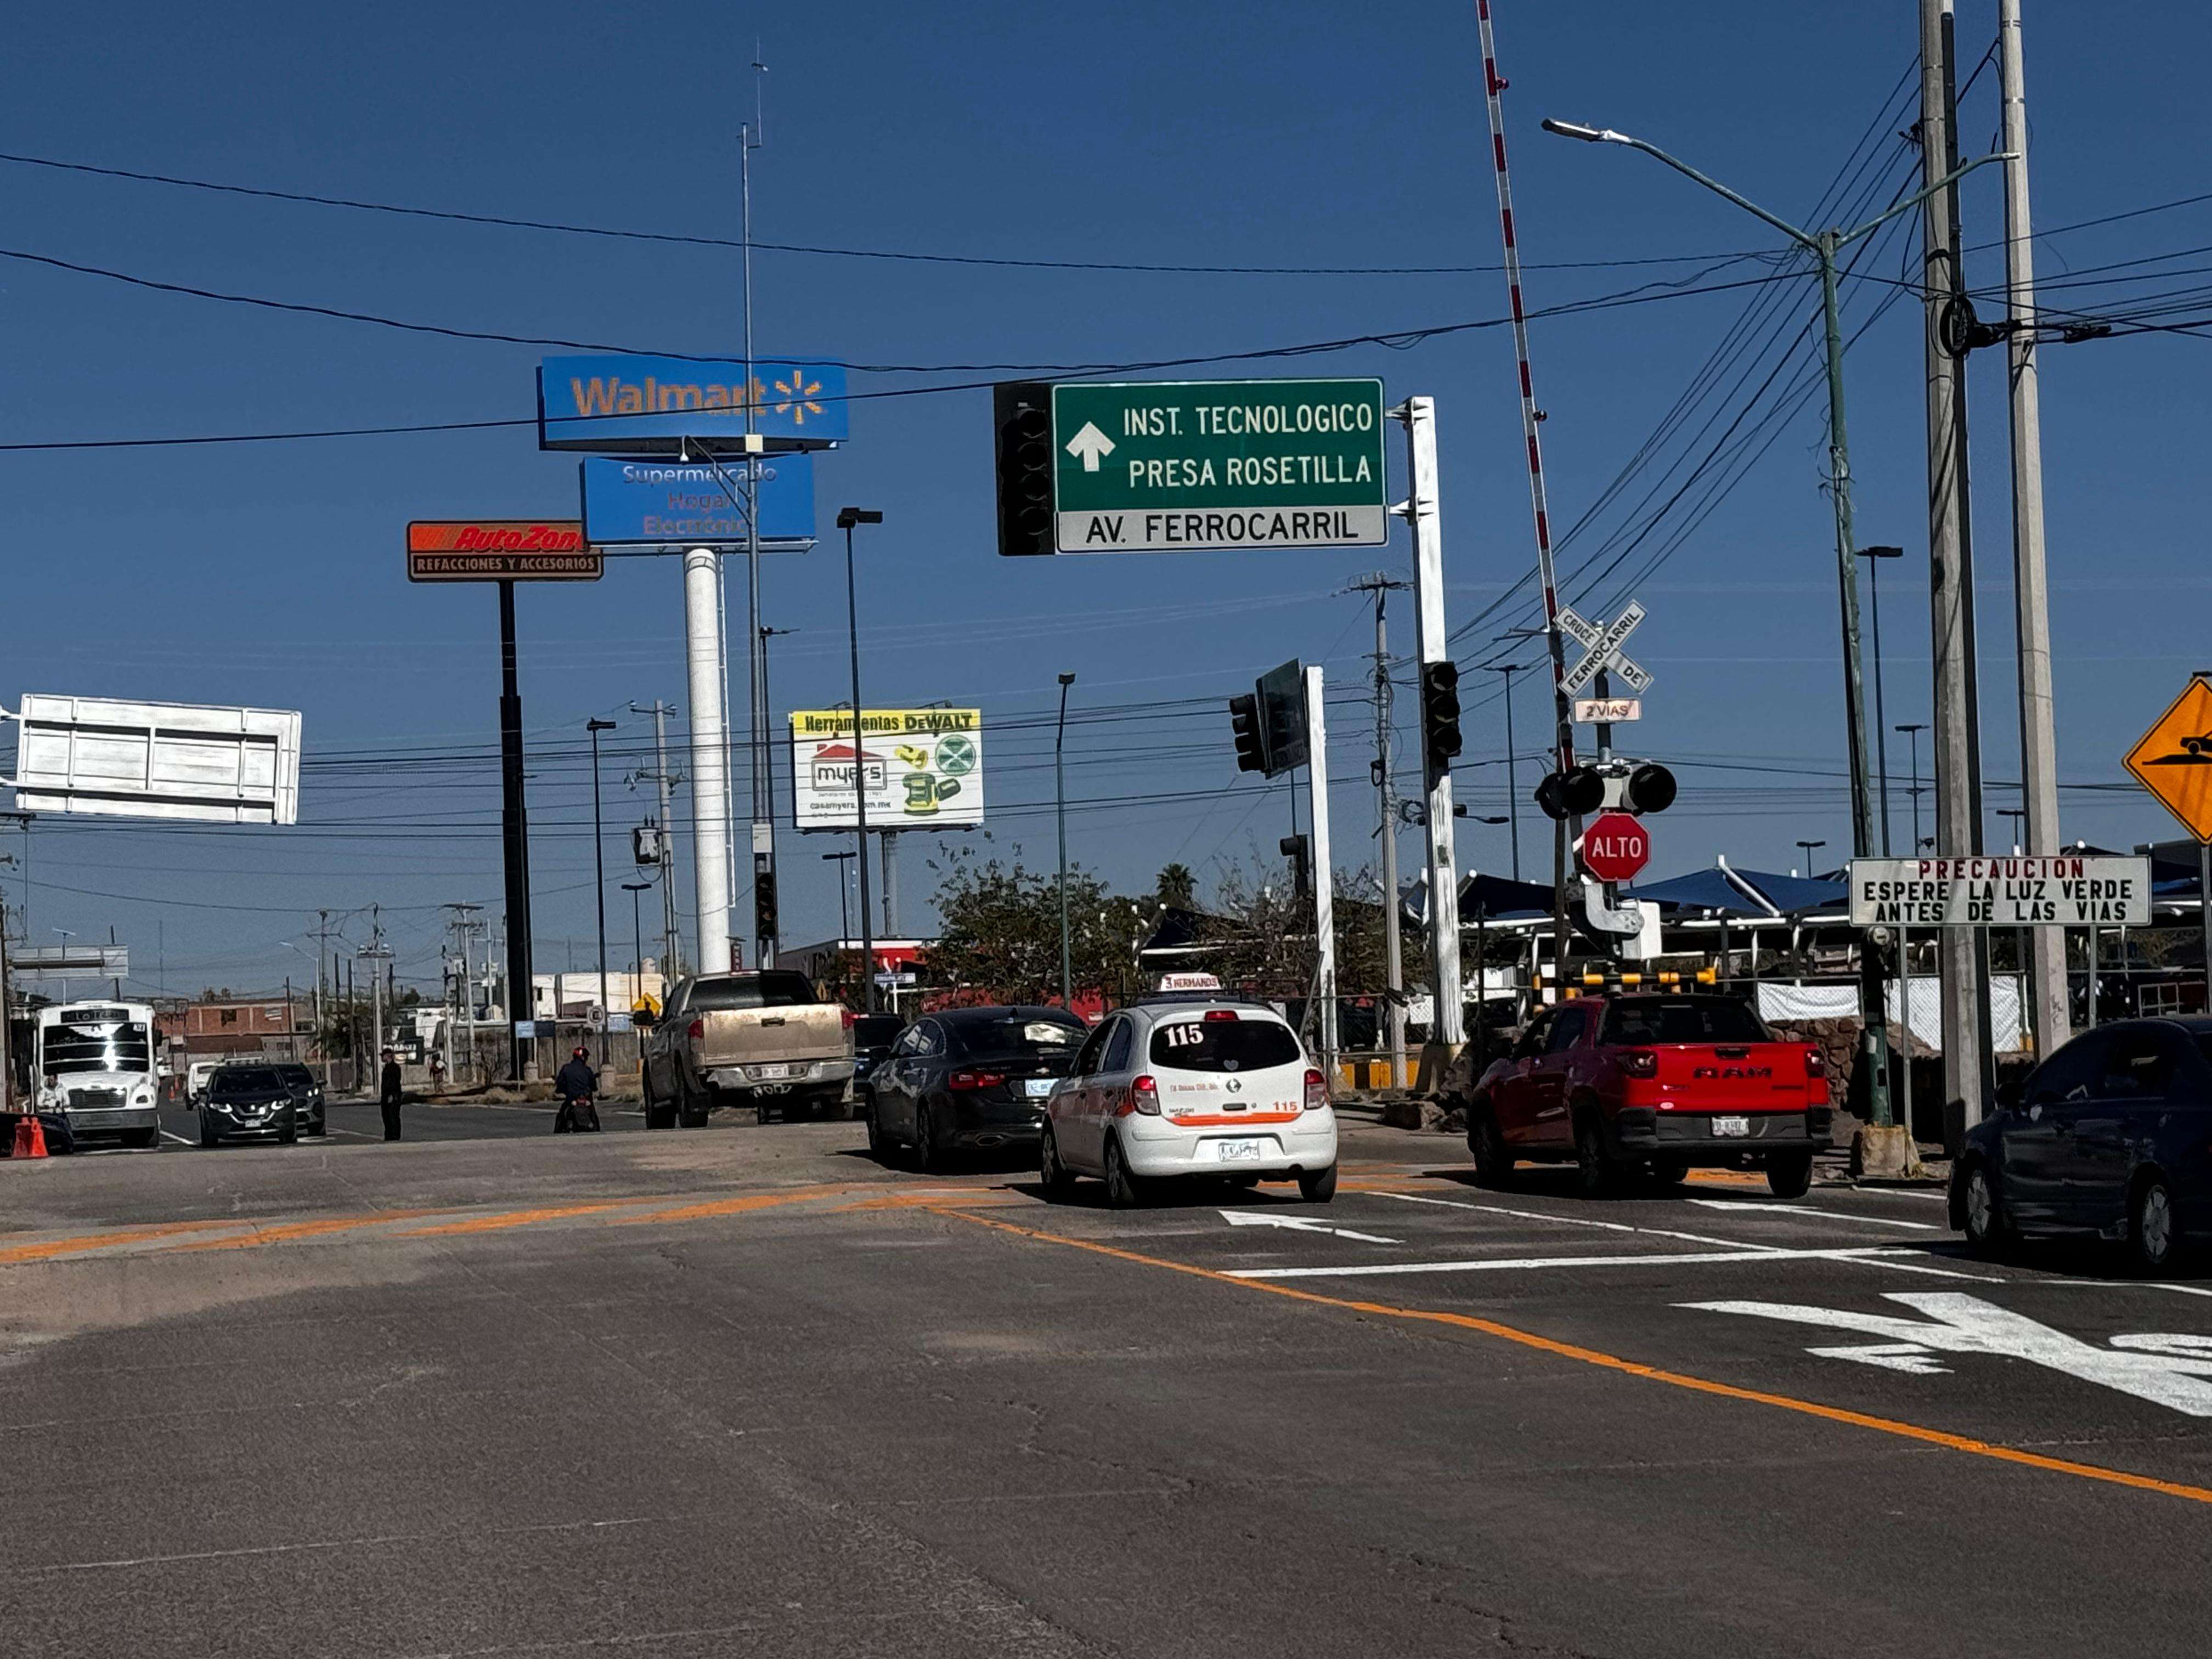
<point>1038,1087</point>
<point>1236,1152</point>
<point>1732,1126</point>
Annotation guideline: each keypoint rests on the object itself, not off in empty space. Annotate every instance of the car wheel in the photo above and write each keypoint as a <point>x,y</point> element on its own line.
<point>654,1117</point>
<point>320,1127</point>
<point>1596,1177</point>
<point>288,1137</point>
<point>1983,1218</point>
<point>2153,1228</point>
<point>1493,1159</point>
<point>208,1136</point>
<point>1125,1190</point>
<point>1317,1186</point>
<point>1669,1171</point>
<point>689,1112</point>
<point>146,1139</point>
<point>1057,1178</point>
<point>928,1156</point>
<point>1790,1175</point>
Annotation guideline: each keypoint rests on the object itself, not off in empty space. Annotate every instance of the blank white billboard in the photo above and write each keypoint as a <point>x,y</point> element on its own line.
<point>158,760</point>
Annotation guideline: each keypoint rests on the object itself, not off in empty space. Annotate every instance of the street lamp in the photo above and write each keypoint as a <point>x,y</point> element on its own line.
<point>1873,555</point>
<point>1913,733</point>
<point>1810,847</point>
<point>1824,245</point>
<point>847,517</point>
<point>637,933</point>
<point>1059,811</point>
<point>66,937</point>
<point>596,726</point>
<point>844,913</point>
<point>2015,813</point>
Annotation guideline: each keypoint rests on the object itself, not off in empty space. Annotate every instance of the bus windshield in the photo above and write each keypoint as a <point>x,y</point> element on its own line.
<point>124,1046</point>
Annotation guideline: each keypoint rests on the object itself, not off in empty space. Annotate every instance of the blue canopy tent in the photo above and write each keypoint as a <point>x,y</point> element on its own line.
<point>1757,893</point>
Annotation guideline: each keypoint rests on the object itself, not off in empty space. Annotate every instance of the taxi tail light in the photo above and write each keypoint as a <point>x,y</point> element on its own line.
<point>1638,1062</point>
<point>974,1079</point>
<point>697,1030</point>
<point>1316,1090</point>
<point>1144,1096</point>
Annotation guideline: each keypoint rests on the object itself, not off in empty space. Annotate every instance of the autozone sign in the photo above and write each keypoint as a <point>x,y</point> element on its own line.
<point>501,550</point>
<point>1616,846</point>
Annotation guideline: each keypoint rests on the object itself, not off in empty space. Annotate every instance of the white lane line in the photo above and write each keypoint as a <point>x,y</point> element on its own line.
<point>181,1140</point>
<point>1664,1232</point>
<point>1829,1215</point>
<point>1530,1263</point>
<point>1298,1224</point>
<point>356,1133</point>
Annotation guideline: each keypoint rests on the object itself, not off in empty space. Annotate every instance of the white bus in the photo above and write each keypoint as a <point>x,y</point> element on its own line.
<point>93,1063</point>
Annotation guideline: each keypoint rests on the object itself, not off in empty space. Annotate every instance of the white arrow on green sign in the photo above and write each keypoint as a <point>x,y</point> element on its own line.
<point>1188,466</point>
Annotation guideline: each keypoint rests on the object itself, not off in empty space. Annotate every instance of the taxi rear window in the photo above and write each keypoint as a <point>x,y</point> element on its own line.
<point>1224,1045</point>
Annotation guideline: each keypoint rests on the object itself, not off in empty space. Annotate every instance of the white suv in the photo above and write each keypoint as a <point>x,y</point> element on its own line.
<point>1208,1086</point>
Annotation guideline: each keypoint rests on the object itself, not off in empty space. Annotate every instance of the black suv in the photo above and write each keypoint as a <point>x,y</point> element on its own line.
<point>307,1095</point>
<point>249,1101</point>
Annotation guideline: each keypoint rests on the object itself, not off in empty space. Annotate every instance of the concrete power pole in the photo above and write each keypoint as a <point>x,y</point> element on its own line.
<point>663,781</point>
<point>710,798</point>
<point>1386,806</point>
<point>2039,742</point>
<point>1958,780</point>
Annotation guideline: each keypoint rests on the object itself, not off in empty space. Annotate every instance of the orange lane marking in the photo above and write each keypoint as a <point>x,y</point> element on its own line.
<point>299,1229</point>
<point>104,1241</point>
<point>1727,1178</point>
<point>989,1197</point>
<point>739,1205</point>
<point>492,1223</point>
<point>1629,1367</point>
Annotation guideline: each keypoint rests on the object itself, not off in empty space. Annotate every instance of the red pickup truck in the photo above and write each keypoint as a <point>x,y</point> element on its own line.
<point>1617,1082</point>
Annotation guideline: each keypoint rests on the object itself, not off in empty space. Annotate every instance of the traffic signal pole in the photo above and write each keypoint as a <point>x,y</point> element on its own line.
<point>1324,872</point>
<point>1447,1026</point>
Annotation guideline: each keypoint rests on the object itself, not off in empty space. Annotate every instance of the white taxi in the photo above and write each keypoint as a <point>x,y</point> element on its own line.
<point>1204,1086</point>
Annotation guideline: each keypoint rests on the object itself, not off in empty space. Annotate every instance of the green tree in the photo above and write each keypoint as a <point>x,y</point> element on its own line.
<point>1000,938</point>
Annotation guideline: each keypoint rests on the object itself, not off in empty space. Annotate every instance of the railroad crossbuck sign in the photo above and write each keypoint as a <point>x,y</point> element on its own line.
<point>1601,642</point>
<point>2173,760</point>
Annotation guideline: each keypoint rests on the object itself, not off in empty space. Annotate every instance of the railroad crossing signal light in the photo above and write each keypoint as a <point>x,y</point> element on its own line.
<point>765,905</point>
<point>1021,414</point>
<point>1575,792</point>
<point>1440,738</point>
<point>1650,789</point>
<point>1251,737</point>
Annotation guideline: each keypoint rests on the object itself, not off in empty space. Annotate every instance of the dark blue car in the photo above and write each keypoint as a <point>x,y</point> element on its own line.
<point>2111,1137</point>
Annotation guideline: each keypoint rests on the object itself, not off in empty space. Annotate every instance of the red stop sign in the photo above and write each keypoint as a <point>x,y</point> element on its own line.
<point>1616,846</point>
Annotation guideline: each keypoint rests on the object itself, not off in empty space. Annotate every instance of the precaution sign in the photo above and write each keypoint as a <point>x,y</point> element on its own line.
<point>2173,760</point>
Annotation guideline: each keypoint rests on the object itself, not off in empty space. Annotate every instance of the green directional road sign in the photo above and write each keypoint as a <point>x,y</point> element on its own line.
<point>1187,465</point>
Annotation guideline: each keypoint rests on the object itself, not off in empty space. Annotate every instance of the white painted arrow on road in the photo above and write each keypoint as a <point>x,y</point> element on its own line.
<point>1090,443</point>
<point>1297,1223</point>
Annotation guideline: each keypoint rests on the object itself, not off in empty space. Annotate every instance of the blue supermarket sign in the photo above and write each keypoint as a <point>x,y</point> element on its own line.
<point>632,405</point>
<point>644,502</point>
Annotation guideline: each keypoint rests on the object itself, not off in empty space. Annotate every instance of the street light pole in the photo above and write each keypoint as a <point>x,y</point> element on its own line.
<point>1873,555</point>
<point>637,936</point>
<point>847,517</point>
<point>1059,811</point>
<point>1913,733</point>
<point>1809,848</point>
<point>1512,784</point>
<point>1824,245</point>
<point>599,878</point>
<point>844,910</point>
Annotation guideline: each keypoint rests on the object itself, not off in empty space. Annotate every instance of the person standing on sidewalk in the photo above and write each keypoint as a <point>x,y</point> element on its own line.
<point>388,1098</point>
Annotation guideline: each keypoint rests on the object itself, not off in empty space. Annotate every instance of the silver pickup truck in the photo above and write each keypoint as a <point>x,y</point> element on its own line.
<point>762,1040</point>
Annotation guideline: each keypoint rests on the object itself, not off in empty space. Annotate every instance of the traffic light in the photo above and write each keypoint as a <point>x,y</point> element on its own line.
<point>1299,851</point>
<point>1650,789</point>
<point>765,905</point>
<point>1440,740</point>
<point>1575,792</point>
<point>1022,415</point>
<point>1251,737</point>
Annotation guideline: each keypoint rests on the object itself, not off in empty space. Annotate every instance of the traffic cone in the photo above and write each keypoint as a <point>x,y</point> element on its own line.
<point>30,1136</point>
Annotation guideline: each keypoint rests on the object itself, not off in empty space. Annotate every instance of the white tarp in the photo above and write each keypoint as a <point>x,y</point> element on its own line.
<point>158,760</point>
<point>1794,1004</point>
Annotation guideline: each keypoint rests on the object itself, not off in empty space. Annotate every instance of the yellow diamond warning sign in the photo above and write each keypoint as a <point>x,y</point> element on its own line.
<point>2173,761</point>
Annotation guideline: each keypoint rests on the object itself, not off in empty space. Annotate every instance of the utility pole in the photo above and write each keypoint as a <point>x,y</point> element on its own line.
<point>374,953</point>
<point>1324,871</point>
<point>2039,742</point>
<point>662,782</point>
<point>1386,808</point>
<point>514,834</point>
<point>1424,516</point>
<point>750,139</point>
<point>322,947</point>
<point>888,841</point>
<point>1957,793</point>
<point>599,881</point>
<point>463,924</point>
<point>1512,776</point>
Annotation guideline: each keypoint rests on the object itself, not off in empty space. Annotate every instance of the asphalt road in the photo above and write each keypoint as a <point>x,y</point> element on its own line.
<point>742,1391</point>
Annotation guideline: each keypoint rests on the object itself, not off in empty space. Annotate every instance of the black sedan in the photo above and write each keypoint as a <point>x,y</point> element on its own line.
<point>872,1036</point>
<point>2111,1137</point>
<point>970,1079</point>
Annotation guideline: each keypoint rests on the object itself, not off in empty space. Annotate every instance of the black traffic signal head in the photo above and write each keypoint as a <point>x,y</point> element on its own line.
<point>1251,737</point>
<point>1022,415</point>
<point>1440,738</point>
<point>1650,789</point>
<point>1298,849</point>
<point>1575,792</point>
<point>764,906</point>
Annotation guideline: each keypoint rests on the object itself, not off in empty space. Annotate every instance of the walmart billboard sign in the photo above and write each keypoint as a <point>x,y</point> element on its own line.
<point>631,405</point>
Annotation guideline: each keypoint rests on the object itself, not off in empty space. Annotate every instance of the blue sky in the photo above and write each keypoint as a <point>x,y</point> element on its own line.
<point>271,573</point>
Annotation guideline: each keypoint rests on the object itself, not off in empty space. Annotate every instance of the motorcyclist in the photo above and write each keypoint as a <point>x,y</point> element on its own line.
<point>577,1086</point>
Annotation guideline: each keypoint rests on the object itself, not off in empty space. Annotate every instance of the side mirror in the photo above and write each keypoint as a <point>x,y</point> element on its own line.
<point>642,1020</point>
